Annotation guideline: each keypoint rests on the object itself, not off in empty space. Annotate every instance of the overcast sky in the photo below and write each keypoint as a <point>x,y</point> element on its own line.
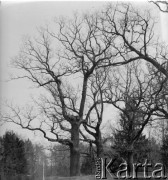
<point>19,19</point>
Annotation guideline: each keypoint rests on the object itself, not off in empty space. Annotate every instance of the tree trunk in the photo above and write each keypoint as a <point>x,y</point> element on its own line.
<point>74,151</point>
<point>99,145</point>
<point>130,158</point>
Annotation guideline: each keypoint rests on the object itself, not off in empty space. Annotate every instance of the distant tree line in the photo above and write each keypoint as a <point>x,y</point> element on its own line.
<point>20,158</point>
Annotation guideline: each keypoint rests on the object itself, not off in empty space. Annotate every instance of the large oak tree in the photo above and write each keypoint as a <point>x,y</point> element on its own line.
<point>62,62</point>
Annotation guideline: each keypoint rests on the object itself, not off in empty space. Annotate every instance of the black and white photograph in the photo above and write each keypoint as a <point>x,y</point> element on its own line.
<point>83,90</point>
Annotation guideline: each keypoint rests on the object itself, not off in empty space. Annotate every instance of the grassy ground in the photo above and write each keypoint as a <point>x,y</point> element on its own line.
<point>91,177</point>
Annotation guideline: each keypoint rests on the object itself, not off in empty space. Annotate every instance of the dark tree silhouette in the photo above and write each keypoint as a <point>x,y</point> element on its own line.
<point>130,92</point>
<point>164,151</point>
<point>13,159</point>
<point>95,115</point>
<point>136,37</point>
<point>124,135</point>
<point>62,63</point>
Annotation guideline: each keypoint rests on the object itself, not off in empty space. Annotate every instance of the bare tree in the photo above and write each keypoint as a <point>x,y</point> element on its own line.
<point>130,92</point>
<point>136,37</point>
<point>160,87</point>
<point>162,5</point>
<point>95,113</point>
<point>62,62</point>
